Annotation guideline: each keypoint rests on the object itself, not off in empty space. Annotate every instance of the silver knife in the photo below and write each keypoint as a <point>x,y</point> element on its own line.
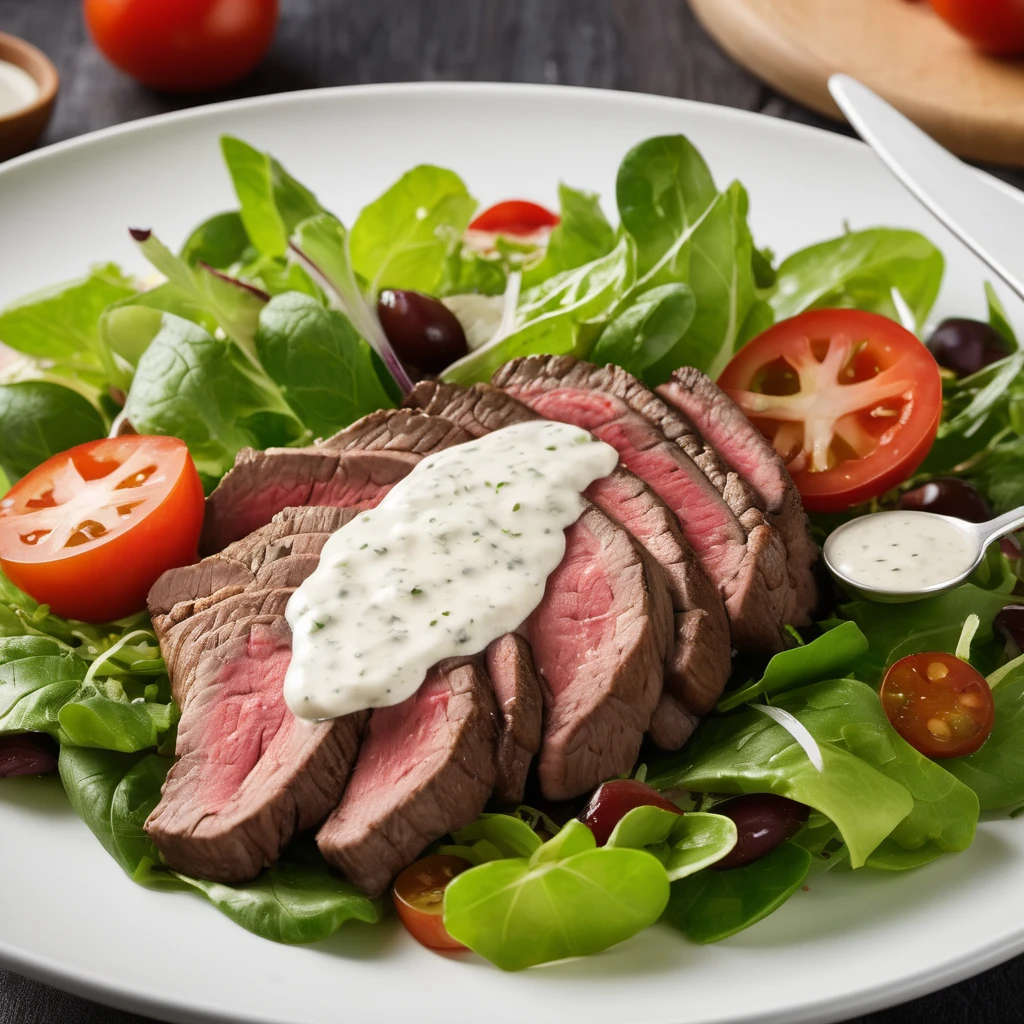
<point>985,214</point>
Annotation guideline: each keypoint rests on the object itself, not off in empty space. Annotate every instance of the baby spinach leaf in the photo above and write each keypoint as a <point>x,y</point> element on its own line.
<point>39,419</point>
<point>996,771</point>
<point>205,391</point>
<point>323,367</point>
<point>95,720</point>
<point>218,242</point>
<point>299,899</point>
<point>860,269</point>
<point>747,752</point>
<point>402,239</point>
<point>568,899</point>
<point>583,235</point>
<point>647,330</point>
<point>510,835</point>
<point>272,201</point>
<point>830,655</point>
<point>684,843</point>
<point>997,317</point>
<point>712,905</point>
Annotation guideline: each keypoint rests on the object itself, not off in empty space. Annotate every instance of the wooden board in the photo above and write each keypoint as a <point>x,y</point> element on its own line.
<point>973,104</point>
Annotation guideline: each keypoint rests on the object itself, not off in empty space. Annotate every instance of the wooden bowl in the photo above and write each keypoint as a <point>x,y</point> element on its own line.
<point>20,130</point>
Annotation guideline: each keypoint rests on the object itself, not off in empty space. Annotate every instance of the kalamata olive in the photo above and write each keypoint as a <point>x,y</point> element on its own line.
<point>763,821</point>
<point>947,496</point>
<point>424,332</point>
<point>965,346</point>
<point>1009,624</point>
<point>613,800</point>
<point>27,754</point>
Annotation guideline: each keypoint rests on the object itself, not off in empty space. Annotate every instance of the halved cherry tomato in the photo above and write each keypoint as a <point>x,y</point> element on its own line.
<point>940,704</point>
<point>514,217</point>
<point>612,801</point>
<point>419,899</point>
<point>993,25</point>
<point>850,400</point>
<point>183,45</point>
<point>89,531</point>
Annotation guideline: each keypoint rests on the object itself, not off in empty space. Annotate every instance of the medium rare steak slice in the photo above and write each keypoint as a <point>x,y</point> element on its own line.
<point>746,450</point>
<point>427,767</point>
<point>517,690</point>
<point>261,484</point>
<point>700,660</point>
<point>249,773</point>
<point>744,558</point>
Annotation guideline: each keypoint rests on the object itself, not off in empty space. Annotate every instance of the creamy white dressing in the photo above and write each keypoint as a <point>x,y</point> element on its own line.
<point>456,555</point>
<point>903,552</point>
<point>18,89</point>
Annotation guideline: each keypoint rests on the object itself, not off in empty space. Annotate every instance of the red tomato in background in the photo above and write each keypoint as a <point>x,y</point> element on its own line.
<point>90,530</point>
<point>996,26</point>
<point>183,45</point>
<point>514,217</point>
<point>850,400</point>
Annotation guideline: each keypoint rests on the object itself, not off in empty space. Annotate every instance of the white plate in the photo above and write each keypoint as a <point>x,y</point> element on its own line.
<point>67,914</point>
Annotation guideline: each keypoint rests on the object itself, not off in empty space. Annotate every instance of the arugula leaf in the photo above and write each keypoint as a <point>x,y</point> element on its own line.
<point>684,843</point>
<point>747,752</point>
<point>860,269</point>
<point>560,316</point>
<point>583,235</point>
<point>568,899</point>
<point>298,900</point>
<point>712,905</point>
<point>272,202</point>
<point>644,332</point>
<point>323,367</point>
<point>205,391</point>
<point>218,242</point>
<point>402,239</point>
<point>39,419</point>
<point>828,656</point>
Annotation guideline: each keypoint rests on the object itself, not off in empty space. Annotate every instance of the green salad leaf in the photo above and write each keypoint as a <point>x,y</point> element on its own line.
<point>219,242</point>
<point>403,238</point>
<point>323,367</point>
<point>39,419</point>
<point>569,898</point>
<point>298,900</point>
<point>684,843</point>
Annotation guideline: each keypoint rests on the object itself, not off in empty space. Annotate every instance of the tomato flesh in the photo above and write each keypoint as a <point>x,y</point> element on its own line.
<point>514,217</point>
<point>90,530</point>
<point>941,705</point>
<point>183,45</point>
<point>612,801</point>
<point>419,899</point>
<point>850,400</point>
<point>993,25</point>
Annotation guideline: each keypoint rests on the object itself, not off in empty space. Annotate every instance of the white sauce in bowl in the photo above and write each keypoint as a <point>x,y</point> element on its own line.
<point>901,552</point>
<point>18,89</point>
<point>456,555</point>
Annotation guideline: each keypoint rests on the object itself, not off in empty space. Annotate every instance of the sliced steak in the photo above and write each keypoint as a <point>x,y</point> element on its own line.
<point>401,430</point>
<point>517,691</point>
<point>744,556</point>
<point>574,724</point>
<point>747,451</point>
<point>699,662</point>
<point>427,767</point>
<point>249,773</point>
<point>261,484</point>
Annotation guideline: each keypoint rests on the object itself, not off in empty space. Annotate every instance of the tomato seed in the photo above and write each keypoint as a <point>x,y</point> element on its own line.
<point>937,671</point>
<point>971,700</point>
<point>938,728</point>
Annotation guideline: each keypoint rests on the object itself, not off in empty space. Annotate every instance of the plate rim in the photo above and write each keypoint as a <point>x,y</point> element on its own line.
<point>128,996</point>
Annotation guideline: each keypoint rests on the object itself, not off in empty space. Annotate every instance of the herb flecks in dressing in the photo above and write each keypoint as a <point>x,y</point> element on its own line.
<point>456,555</point>
<point>902,551</point>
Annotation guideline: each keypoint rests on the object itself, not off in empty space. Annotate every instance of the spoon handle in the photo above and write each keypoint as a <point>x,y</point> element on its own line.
<point>1002,525</point>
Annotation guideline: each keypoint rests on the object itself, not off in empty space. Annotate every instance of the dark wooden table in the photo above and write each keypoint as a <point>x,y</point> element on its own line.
<point>640,45</point>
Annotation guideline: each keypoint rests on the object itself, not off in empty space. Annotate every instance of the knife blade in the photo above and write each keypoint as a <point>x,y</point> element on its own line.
<point>985,214</point>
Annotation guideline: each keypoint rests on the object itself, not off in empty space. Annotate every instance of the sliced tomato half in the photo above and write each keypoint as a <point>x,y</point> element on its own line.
<point>850,400</point>
<point>90,530</point>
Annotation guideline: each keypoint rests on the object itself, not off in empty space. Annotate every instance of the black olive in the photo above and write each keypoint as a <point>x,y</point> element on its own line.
<point>1009,624</point>
<point>947,496</point>
<point>763,821</point>
<point>425,333</point>
<point>966,346</point>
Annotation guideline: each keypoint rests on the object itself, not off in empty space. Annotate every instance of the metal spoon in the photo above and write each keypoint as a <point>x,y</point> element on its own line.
<point>977,535</point>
